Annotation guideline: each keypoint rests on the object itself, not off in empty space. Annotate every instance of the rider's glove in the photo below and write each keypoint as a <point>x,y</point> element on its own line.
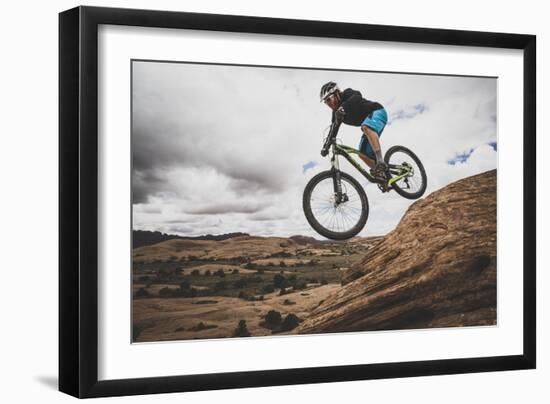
<point>324,152</point>
<point>339,114</point>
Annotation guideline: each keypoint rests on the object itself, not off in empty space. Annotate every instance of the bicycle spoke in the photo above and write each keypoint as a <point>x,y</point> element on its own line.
<point>336,217</point>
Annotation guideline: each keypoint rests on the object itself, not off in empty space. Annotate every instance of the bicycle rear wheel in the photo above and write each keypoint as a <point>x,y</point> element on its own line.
<point>336,221</point>
<point>404,163</point>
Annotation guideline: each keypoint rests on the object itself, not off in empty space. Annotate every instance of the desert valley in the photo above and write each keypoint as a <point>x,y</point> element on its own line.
<point>437,268</point>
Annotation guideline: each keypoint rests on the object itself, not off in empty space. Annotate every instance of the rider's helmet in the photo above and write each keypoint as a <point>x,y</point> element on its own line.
<point>327,89</point>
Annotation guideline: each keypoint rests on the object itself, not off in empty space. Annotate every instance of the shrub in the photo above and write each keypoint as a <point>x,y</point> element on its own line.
<point>142,293</point>
<point>201,326</point>
<point>255,279</point>
<point>241,330</point>
<point>288,302</point>
<point>260,271</point>
<point>273,318</point>
<point>268,289</point>
<point>136,330</point>
<point>192,292</point>
<point>195,272</point>
<point>235,271</point>
<point>292,278</point>
<point>324,282</point>
<point>220,273</point>
<point>243,295</point>
<point>221,285</point>
<point>299,285</point>
<point>279,281</point>
<point>241,283</point>
<point>185,285</point>
<point>166,292</point>
<point>207,273</point>
<point>282,264</point>
<point>290,322</point>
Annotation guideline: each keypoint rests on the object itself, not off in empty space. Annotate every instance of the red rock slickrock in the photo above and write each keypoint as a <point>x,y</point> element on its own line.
<point>436,269</point>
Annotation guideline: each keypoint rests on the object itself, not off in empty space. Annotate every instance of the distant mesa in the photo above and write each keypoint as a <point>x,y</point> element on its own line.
<point>303,240</point>
<point>143,238</point>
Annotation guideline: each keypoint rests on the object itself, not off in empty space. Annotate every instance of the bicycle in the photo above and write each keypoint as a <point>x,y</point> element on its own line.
<point>333,198</point>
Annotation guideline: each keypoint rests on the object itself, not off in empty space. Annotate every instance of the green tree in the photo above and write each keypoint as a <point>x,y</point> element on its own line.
<point>268,288</point>
<point>290,322</point>
<point>273,318</point>
<point>142,293</point>
<point>241,330</point>
<point>280,281</point>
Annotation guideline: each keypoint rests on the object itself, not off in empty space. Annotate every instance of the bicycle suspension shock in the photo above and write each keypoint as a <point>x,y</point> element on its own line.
<point>336,177</point>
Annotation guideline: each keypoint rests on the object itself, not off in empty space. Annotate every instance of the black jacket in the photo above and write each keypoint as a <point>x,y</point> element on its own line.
<point>356,107</point>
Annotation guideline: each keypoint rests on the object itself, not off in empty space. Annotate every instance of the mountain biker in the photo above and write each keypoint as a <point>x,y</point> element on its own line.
<point>351,108</point>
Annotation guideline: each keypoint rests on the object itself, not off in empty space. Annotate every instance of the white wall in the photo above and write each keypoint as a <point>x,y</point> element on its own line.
<point>28,167</point>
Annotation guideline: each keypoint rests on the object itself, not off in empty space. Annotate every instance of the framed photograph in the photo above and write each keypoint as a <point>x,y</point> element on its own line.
<point>249,201</point>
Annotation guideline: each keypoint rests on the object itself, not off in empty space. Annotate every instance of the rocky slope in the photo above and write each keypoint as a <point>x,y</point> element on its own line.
<point>436,269</point>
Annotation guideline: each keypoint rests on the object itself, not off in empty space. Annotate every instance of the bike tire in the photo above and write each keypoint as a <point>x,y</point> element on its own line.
<point>401,191</point>
<point>319,228</point>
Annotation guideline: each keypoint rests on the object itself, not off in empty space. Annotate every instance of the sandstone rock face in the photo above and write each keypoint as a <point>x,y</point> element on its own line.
<point>436,269</point>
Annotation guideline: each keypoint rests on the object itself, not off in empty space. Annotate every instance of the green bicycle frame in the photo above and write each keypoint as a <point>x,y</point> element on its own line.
<point>347,151</point>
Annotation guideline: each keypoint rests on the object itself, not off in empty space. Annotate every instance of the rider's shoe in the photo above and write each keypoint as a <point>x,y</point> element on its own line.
<point>380,172</point>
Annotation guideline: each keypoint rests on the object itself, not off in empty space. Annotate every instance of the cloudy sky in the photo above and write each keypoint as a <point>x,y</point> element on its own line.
<point>220,149</point>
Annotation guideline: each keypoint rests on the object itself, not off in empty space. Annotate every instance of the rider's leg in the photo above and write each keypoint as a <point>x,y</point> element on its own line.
<point>365,149</point>
<point>372,137</point>
<point>368,161</point>
<point>372,127</point>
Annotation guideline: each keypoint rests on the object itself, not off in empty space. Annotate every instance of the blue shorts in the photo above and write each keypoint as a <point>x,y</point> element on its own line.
<point>377,122</point>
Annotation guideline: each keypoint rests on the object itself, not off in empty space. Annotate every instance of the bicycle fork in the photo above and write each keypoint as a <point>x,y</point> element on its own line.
<point>339,197</point>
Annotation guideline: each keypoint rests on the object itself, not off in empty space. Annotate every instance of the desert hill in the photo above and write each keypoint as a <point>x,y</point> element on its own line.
<point>240,247</point>
<point>191,288</point>
<point>231,248</point>
<point>436,269</point>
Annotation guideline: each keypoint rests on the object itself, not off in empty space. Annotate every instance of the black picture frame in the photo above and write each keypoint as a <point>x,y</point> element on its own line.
<point>78,201</point>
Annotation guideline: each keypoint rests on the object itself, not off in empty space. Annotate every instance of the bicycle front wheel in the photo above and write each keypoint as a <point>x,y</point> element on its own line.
<point>330,218</point>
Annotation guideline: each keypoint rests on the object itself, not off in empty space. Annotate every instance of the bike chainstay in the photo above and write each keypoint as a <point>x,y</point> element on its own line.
<point>404,171</point>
